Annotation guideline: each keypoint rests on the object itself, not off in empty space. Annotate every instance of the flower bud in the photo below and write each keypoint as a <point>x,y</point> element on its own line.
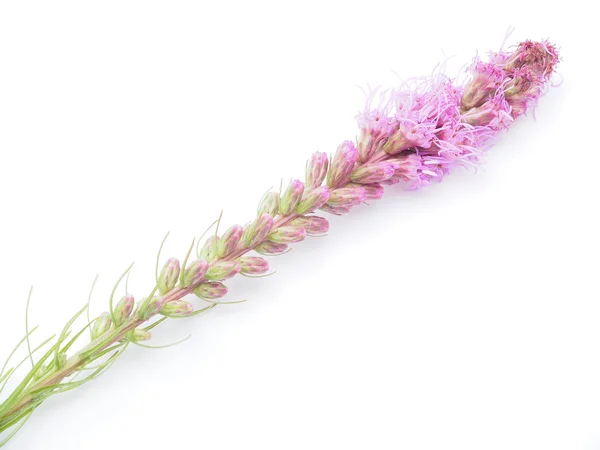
<point>539,57</point>
<point>139,335</point>
<point>229,240</point>
<point>253,265</point>
<point>316,170</point>
<point>177,308</point>
<point>150,307</point>
<point>223,270</point>
<point>291,197</point>
<point>487,78</point>
<point>314,225</point>
<point>271,248</point>
<point>41,372</point>
<point>393,180</point>
<point>336,210</point>
<point>194,272</point>
<point>495,114</point>
<point>257,231</point>
<point>209,249</point>
<point>169,275</point>
<point>347,196</point>
<point>375,127</point>
<point>61,360</point>
<point>342,164</point>
<point>313,200</point>
<point>123,309</point>
<point>211,290</point>
<point>410,167</point>
<point>409,135</point>
<point>373,191</point>
<point>269,204</point>
<point>287,234</point>
<point>101,325</point>
<point>374,172</point>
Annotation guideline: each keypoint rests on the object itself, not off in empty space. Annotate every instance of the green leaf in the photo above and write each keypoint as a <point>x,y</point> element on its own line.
<point>182,274</point>
<point>17,428</point>
<point>15,349</point>
<point>204,234</point>
<point>21,387</point>
<point>66,331</point>
<point>155,324</point>
<point>6,375</point>
<point>27,325</point>
<point>58,388</point>
<point>162,346</point>
<point>72,341</point>
<point>158,255</point>
<point>22,361</point>
<point>87,314</point>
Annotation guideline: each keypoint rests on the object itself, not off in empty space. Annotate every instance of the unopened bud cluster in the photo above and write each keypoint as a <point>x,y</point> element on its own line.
<point>416,135</point>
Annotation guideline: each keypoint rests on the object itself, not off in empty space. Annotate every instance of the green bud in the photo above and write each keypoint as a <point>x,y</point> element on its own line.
<point>41,371</point>
<point>314,199</point>
<point>123,309</point>
<point>150,307</point>
<point>229,240</point>
<point>291,197</point>
<point>139,335</point>
<point>169,275</point>
<point>223,270</point>
<point>194,272</point>
<point>211,290</point>
<point>287,234</point>
<point>257,231</point>
<point>209,249</point>
<point>61,360</point>
<point>101,325</point>
<point>269,204</point>
<point>177,308</point>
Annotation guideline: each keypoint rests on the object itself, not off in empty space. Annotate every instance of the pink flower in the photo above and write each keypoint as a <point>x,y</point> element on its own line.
<point>487,78</point>
<point>343,162</point>
<point>538,57</point>
<point>375,127</point>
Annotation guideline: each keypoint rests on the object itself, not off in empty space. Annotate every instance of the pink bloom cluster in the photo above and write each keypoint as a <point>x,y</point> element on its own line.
<point>430,126</point>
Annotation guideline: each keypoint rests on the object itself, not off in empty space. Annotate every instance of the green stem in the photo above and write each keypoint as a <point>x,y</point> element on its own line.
<point>32,393</point>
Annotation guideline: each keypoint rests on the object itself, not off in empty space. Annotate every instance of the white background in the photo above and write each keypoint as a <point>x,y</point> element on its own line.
<point>463,316</point>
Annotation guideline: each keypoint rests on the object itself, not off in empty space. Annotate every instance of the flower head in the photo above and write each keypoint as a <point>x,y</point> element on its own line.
<point>101,325</point>
<point>375,126</point>
<point>229,240</point>
<point>223,270</point>
<point>316,170</point>
<point>291,197</point>
<point>169,275</point>
<point>287,234</point>
<point>487,78</point>
<point>314,225</point>
<point>314,199</point>
<point>269,204</point>
<point>343,162</point>
<point>209,249</point>
<point>540,58</point>
<point>194,272</point>
<point>177,308</point>
<point>253,265</point>
<point>211,290</point>
<point>271,248</point>
<point>343,199</point>
<point>257,231</point>
<point>123,309</point>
